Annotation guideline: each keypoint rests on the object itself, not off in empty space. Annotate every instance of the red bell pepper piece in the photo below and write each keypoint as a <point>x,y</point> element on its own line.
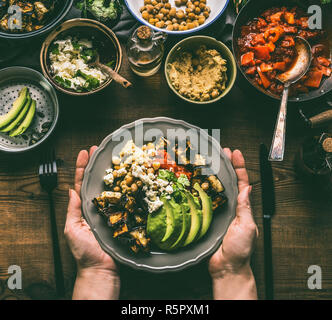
<point>262,52</point>
<point>247,59</point>
<point>280,66</point>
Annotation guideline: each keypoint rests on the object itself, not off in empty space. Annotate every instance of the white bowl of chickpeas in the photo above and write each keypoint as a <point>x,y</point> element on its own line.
<point>177,16</point>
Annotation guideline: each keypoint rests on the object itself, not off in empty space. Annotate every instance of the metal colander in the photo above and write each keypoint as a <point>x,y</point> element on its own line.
<point>12,80</point>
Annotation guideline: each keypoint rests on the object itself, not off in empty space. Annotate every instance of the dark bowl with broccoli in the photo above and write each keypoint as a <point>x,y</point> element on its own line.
<point>68,53</point>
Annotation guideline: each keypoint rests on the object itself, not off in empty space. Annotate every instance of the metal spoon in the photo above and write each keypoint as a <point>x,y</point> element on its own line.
<point>294,74</point>
<point>114,75</point>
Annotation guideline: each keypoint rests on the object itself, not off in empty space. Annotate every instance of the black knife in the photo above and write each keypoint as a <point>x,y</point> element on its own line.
<point>268,200</point>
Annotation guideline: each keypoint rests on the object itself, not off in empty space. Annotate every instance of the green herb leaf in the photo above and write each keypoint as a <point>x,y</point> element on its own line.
<point>166,175</point>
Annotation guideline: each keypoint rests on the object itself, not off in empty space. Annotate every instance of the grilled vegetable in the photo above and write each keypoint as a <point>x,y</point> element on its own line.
<point>117,218</point>
<point>139,234</point>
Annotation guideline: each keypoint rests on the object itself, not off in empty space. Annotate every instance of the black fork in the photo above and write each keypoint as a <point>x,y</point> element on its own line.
<point>48,177</point>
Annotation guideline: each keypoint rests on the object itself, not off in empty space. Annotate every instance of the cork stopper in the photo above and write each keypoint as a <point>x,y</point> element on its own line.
<point>144,33</point>
<point>327,145</point>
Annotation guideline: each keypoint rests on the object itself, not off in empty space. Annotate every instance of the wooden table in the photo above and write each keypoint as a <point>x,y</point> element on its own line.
<point>301,227</point>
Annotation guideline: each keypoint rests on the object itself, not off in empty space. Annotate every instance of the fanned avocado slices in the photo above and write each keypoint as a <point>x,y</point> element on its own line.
<point>18,104</point>
<point>26,122</point>
<point>19,118</point>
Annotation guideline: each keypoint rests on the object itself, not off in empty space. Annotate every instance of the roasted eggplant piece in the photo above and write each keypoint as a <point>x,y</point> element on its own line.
<point>216,184</point>
<point>107,197</point>
<point>117,218</point>
<point>121,230</point>
<point>218,201</point>
<point>139,234</point>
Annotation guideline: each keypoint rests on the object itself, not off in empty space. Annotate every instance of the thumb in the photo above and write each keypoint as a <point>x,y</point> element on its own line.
<point>74,211</point>
<point>243,210</point>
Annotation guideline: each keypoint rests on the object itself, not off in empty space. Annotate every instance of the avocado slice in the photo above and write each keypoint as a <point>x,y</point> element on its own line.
<point>19,118</point>
<point>156,225</point>
<point>186,223</point>
<point>206,210</point>
<point>196,220</point>
<point>26,122</point>
<point>18,104</point>
<point>174,220</point>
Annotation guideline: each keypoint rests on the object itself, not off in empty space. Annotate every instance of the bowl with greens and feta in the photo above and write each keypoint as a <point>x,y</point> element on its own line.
<point>68,56</point>
<point>157,204</point>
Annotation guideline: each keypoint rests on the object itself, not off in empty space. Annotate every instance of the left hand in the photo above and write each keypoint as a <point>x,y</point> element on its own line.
<point>83,244</point>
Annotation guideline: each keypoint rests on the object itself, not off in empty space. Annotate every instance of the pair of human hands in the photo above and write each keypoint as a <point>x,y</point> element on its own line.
<point>231,261</point>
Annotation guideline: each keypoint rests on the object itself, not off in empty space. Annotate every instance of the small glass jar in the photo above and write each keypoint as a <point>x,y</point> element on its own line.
<point>145,50</point>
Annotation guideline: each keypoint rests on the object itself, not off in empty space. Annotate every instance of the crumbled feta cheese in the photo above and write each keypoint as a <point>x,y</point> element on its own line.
<point>153,205</point>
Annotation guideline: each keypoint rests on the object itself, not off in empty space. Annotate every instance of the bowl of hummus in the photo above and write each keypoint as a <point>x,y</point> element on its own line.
<point>200,70</point>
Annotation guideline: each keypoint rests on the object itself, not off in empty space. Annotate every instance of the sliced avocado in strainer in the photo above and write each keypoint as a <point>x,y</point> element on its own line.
<point>19,118</point>
<point>18,105</point>
<point>26,122</point>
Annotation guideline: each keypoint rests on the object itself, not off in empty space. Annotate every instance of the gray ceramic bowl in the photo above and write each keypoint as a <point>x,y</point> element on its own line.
<point>191,44</point>
<point>12,80</point>
<point>157,261</point>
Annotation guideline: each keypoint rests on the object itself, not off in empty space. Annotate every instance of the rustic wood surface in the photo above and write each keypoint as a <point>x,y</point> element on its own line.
<point>301,228</point>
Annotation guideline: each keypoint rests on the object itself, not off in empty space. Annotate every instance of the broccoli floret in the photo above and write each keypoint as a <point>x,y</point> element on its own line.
<point>103,12</point>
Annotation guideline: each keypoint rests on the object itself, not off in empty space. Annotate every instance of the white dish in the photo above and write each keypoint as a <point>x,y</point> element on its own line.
<point>217,8</point>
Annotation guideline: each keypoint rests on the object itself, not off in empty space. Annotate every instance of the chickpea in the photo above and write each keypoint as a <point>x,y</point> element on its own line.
<point>145,15</point>
<point>188,10</point>
<point>174,20</point>
<point>134,187</point>
<point>205,186</point>
<point>116,167</point>
<point>196,3</point>
<point>142,9</point>
<point>154,3</point>
<point>150,170</point>
<point>201,19</point>
<point>215,93</point>
<point>175,26</point>
<point>149,8</point>
<point>168,23</point>
<point>147,2</point>
<point>160,24</point>
<point>117,189</point>
<point>160,16</point>
<point>206,14</point>
<point>168,6</point>
<point>190,25</point>
<point>202,1</point>
<point>172,12</point>
<point>129,181</point>
<point>208,9</point>
<point>197,10</point>
<point>156,165</point>
<point>139,183</point>
<point>191,16</point>
<point>180,14</point>
<point>178,3</point>
<point>202,6</point>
